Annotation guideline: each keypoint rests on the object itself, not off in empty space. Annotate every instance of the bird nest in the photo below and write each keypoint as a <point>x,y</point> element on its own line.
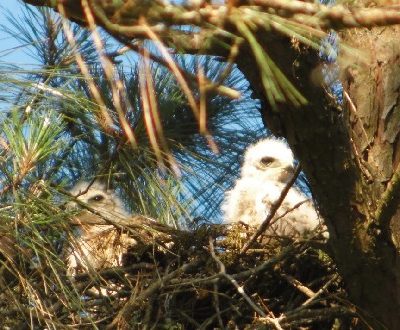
<point>172,279</point>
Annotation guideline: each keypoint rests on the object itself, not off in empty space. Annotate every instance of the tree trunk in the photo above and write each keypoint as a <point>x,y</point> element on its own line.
<point>350,157</point>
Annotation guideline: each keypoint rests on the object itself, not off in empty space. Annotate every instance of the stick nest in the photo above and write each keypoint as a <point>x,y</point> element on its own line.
<point>173,279</point>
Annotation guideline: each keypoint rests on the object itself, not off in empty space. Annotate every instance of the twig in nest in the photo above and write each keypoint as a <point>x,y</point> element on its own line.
<point>320,291</point>
<point>216,305</point>
<point>240,290</point>
<point>274,321</point>
<point>299,286</point>
<point>306,316</point>
<point>121,321</point>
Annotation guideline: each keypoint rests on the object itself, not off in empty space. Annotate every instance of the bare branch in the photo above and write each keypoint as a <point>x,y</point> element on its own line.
<point>121,17</point>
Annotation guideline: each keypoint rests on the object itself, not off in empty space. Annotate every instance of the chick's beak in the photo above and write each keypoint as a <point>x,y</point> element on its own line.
<point>289,169</point>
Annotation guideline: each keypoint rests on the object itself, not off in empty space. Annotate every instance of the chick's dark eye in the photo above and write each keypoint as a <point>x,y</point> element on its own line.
<point>267,160</point>
<point>97,198</point>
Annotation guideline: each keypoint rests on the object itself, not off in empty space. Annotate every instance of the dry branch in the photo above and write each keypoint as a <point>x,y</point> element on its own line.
<point>122,17</point>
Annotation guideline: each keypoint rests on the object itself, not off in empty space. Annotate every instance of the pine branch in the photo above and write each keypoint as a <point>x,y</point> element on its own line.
<point>125,15</point>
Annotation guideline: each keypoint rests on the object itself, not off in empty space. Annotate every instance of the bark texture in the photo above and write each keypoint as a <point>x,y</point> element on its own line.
<point>351,156</point>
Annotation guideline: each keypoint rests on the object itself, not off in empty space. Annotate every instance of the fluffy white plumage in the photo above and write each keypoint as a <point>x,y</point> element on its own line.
<point>97,245</point>
<point>267,167</point>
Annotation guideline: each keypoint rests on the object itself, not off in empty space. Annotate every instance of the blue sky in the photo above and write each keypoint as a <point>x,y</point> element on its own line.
<point>11,50</point>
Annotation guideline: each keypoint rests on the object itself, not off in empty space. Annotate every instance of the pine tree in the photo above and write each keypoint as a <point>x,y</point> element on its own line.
<point>347,146</point>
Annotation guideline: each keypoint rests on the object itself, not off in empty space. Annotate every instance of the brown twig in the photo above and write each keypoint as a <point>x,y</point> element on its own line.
<point>232,280</point>
<point>299,286</point>
<point>326,17</point>
<point>321,290</point>
<point>216,305</point>
<point>274,208</point>
<point>122,319</point>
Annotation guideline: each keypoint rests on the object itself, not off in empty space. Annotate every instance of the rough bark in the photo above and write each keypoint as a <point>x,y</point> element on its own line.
<point>350,157</point>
